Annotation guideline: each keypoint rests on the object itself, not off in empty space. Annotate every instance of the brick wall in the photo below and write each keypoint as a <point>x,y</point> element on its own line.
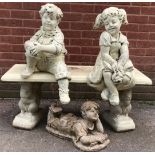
<point>19,21</point>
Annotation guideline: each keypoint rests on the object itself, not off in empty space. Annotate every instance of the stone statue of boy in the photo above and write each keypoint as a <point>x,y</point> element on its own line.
<point>45,51</point>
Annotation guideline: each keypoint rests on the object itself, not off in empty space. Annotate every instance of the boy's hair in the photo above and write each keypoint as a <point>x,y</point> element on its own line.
<point>51,8</point>
<point>88,105</point>
<point>111,11</point>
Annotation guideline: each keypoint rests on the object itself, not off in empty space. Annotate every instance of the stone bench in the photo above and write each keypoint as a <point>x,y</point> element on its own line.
<point>31,89</point>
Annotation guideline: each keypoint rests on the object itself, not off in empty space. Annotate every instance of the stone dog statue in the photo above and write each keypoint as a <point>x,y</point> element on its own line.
<point>45,51</point>
<point>86,132</point>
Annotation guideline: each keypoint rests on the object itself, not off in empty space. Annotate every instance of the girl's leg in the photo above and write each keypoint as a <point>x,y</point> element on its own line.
<point>113,93</point>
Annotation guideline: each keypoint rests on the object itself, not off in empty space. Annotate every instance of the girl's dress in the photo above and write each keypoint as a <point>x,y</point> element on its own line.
<point>95,77</point>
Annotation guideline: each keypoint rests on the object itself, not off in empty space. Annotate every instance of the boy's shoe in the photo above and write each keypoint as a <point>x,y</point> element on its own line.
<point>105,94</point>
<point>27,73</point>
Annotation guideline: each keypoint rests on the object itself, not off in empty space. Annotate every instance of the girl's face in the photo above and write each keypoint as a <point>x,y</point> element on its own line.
<point>112,25</point>
<point>49,23</point>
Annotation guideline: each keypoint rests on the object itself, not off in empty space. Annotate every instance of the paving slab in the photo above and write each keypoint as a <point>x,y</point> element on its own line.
<point>142,139</point>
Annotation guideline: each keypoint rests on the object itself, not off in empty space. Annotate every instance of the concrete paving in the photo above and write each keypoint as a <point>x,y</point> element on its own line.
<point>39,140</point>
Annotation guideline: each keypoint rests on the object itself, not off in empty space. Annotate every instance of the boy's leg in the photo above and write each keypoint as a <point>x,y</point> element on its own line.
<point>113,96</point>
<point>31,63</point>
<point>64,91</point>
<point>59,69</point>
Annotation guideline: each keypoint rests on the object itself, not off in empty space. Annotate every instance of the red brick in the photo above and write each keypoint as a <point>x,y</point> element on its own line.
<point>150,68</point>
<point>141,3</point>
<point>153,4</point>
<point>8,5</point>
<point>18,48</point>
<point>72,34</point>
<point>80,58</point>
<point>85,8</point>
<point>132,43</point>
<point>150,52</point>
<point>141,60</point>
<point>96,42</point>
<point>4,13</point>
<point>18,56</point>
<point>16,40</point>
<point>152,44</point>
<point>143,44</point>
<point>5,47</point>
<point>5,31</point>
<point>67,41</point>
<point>148,10</point>
<point>137,51</point>
<point>10,22</point>
<point>99,7</point>
<point>91,34</point>
<point>117,3</point>
<point>147,28</point>
<point>63,6</point>
<point>32,5</point>
<point>129,9</point>
<point>36,15</point>
<point>32,23</point>
<point>22,14</point>
<point>4,39</point>
<point>9,62</point>
<point>138,19</point>
<point>151,20</point>
<point>73,49</point>
<point>23,31</point>
<point>138,35</point>
<point>89,17</point>
<point>72,16</point>
<point>151,36</point>
<point>81,26</point>
<point>130,27</point>
<point>64,25</point>
<point>81,42</point>
<point>90,50</point>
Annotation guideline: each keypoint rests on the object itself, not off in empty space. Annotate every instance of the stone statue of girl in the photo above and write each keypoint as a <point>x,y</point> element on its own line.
<point>113,68</point>
<point>45,51</point>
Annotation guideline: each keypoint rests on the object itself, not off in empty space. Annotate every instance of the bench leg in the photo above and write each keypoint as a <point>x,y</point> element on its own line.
<point>30,114</point>
<point>118,117</point>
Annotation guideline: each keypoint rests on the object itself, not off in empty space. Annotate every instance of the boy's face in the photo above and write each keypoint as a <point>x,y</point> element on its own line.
<point>112,25</point>
<point>49,22</point>
<point>92,114</point>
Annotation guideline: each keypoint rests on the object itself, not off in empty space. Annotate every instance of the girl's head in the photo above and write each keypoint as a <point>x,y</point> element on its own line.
<point>113,16</point>
<point>50,15</point>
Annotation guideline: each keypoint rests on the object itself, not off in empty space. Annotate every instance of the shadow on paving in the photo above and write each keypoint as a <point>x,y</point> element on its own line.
<point>38,139</point>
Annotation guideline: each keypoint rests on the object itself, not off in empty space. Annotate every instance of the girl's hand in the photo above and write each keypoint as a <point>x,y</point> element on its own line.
<point>114,66</point>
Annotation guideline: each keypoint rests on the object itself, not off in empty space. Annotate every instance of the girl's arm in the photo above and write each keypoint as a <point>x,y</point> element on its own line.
<point>124,51</point>
<point>105,55</point>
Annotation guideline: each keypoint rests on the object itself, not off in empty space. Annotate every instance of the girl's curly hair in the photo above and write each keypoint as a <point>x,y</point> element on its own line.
<point>111,11</point>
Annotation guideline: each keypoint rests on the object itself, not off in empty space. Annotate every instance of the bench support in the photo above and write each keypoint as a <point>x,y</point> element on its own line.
<point>118,117</point>
<point>30,114</point>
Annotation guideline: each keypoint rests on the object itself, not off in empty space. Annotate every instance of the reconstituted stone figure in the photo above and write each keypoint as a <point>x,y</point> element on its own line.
<point>86,132</point>
<point>45,51</point>
<point>113,70</point>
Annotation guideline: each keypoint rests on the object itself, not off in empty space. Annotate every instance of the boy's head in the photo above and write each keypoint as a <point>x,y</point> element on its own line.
<point>51,16</point>
<point>89,110</point>
<point>111,12</point>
